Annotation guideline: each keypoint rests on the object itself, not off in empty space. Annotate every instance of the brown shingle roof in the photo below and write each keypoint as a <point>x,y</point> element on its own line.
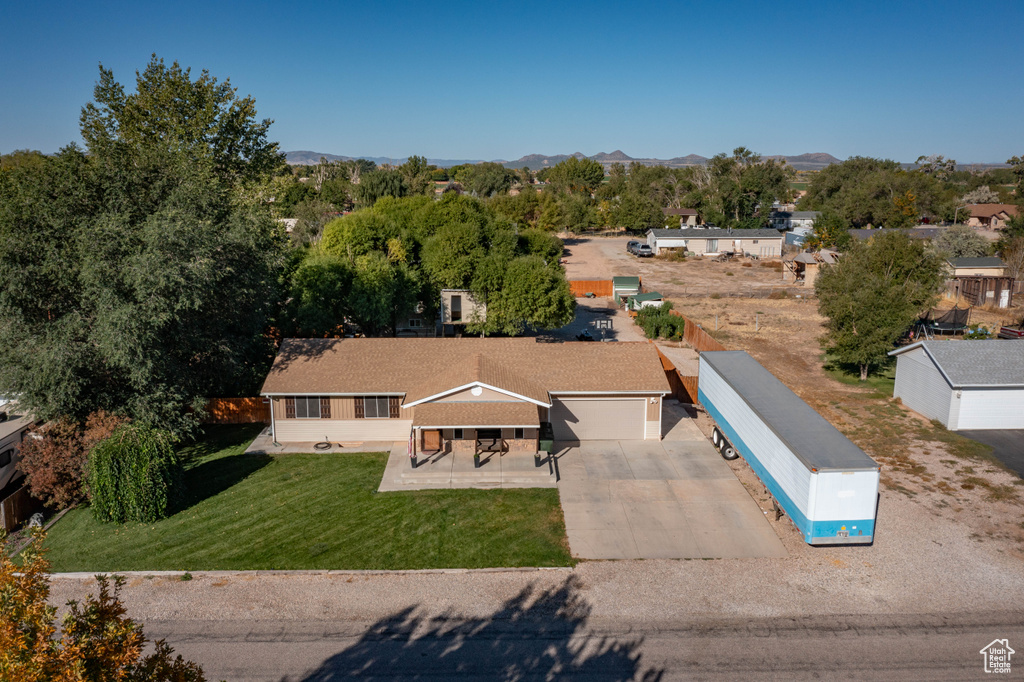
<point>368,366</point>
<point>478,367</point>
<point>989,210</point>
<point>473,415</point>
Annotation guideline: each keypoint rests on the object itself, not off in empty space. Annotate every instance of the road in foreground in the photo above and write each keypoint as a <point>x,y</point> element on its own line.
<point>538,644</point>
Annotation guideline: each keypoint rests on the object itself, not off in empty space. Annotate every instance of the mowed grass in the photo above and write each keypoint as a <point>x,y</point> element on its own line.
<point>314,511</point>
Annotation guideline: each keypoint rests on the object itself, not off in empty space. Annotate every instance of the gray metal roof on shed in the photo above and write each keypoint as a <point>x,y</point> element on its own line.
<point>982,262</point>
<point>716,233</point>
<point>649,296</point>
<point>815,442</point>
<point>978,363</point>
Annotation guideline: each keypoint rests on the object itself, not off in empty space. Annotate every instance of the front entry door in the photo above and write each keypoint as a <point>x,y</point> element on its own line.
<point>431,440</point>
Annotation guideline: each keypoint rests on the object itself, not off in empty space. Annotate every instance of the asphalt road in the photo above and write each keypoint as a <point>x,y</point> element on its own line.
<point>538,643</point>
<point>1007,446</point>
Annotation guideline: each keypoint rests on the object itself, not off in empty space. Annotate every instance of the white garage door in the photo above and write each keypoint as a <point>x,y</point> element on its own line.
<point>598,419</point>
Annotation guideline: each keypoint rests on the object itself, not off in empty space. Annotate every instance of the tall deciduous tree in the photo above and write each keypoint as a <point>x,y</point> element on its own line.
<point>830,232</point>
<point>872,296</point>
<point>200,121</point>
<point>131,281</point>
<point>576,175</point>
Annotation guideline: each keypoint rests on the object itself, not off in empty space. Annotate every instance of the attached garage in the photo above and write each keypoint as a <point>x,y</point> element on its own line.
<point>965,385</point>
<point>598,418</point>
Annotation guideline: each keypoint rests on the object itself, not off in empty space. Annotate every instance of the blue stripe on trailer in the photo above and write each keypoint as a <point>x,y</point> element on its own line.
<point>813,531</point>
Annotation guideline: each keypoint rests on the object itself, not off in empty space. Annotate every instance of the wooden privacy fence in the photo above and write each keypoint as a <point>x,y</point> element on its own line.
<point>598,287</point>
<point>237,411</point>
<point>17,508</point>
<point>684,386</point>
<point>698,339</point>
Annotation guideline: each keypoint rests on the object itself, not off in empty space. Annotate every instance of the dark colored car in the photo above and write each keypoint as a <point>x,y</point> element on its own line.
<point>631,245</point>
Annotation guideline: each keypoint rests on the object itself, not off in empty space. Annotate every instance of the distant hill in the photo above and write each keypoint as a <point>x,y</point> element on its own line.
<point>803,162</point>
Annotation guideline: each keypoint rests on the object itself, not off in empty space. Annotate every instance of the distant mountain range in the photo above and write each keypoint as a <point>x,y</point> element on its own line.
<point>807,162</point>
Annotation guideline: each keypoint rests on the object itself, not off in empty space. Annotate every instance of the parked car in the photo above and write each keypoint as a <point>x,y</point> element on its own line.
<point>631,245</point>
<point>644,251</point>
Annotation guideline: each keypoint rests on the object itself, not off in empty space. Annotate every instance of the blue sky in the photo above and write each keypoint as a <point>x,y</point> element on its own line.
<point>500,80</point>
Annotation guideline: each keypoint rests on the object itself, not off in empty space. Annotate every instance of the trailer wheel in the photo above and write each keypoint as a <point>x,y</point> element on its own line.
<point>716,438</point>
<point>729,452</point>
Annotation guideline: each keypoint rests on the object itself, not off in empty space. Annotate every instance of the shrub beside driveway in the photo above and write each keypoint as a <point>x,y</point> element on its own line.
<point>314,511</point>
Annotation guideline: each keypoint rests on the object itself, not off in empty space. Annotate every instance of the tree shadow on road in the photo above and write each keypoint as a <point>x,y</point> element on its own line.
<point>538,634</point>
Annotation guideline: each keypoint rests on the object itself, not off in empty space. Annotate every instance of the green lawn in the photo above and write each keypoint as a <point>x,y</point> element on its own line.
<point>315,511</point>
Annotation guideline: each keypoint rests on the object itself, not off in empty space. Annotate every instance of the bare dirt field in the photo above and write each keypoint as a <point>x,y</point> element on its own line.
<point>943,474</point>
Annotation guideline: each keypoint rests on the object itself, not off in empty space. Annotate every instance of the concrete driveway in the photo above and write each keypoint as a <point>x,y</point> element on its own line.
<point>674,499</point>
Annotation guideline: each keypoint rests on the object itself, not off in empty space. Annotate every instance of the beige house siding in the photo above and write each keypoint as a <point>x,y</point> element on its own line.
<point>342,407</point>
<point>470,308</point>
<point>978,272</point>
<point>316,430</point>
<point>758,247</point>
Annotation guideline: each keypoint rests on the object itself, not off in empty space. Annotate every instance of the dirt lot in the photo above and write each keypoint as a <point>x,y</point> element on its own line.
<point>944,474</point>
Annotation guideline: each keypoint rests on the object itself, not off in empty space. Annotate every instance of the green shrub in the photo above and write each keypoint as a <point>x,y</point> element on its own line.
<point>658,323</point>
<point>134,475</point>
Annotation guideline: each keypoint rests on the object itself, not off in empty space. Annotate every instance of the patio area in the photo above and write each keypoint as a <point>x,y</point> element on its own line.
<point>458,470</point>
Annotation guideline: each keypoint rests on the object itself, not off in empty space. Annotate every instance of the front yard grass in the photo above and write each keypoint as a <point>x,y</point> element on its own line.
<point>314,511</point>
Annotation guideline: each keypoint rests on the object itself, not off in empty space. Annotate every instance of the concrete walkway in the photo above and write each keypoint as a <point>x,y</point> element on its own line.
<point>675,499</point>
<point>457,470</point>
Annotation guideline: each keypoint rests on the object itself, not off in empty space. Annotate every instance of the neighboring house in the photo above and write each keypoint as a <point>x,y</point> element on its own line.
<point>15,426</point>
<point>687,216</point>
<point>797,235</point>
<point>458,307</point>
<point>646,300</point>
<point>415,324</point>
<point>991,216</point>
<point>985,266</point>
<point>963,384</point>
<point>446,394</point>
<point>804,267</point>
<point>713,241</point>
<point>787,220</point>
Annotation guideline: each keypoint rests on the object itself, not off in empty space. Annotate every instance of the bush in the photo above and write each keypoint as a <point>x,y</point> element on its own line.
<point>659,323</point>
<point>134,475</point>
<point>97,640</point>
<point>54,460</point>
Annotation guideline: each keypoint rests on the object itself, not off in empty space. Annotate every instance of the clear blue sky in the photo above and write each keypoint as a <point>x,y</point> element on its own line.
<point>488,80</point>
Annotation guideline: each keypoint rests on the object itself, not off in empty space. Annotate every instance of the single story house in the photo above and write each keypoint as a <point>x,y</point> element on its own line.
<point>713,241</point>
<point>985,266</point>
<point>458,307</point>
<point>991,216</point>
<point>687,216</point>
<point>787,220</point>
<point>963,384</point>
<point>645,300</point>
<point>624,287</point>
<point>449,394</point>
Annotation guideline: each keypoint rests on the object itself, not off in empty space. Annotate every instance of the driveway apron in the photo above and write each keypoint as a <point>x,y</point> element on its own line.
<point>659,500</point>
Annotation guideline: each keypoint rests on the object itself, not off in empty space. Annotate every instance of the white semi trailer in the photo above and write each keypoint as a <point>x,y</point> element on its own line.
<point>825,484</point>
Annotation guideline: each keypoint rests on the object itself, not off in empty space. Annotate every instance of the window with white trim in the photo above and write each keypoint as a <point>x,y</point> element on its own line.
<point>518,434</point>
<point>376,407</point>
<point>415,322</point>
<point>458,434</point>
<point>307,407</point>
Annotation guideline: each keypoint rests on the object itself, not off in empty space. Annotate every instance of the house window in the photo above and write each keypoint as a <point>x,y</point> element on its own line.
<point>375,407</point>
<point>458,434</point>
<point>5,457</point>
<point>456,308</point>
<point>519,434</point>
<point>755,241</point>
<point>712,246</point>
<point>416,322</point>
<point>308,407</point>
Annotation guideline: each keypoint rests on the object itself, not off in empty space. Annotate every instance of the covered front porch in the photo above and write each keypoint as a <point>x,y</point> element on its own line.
<point>471,445</point>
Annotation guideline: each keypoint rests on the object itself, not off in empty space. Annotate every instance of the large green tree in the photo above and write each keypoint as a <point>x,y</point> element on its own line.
<point>131,280</point>
<point>872,296</point>
<point>576,175</point>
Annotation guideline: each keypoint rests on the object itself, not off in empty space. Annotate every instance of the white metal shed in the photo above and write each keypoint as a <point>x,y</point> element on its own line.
<point>963,384</point>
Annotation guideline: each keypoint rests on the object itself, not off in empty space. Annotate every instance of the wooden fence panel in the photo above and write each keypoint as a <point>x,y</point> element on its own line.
<point>698,339</point>
<point>684,386</point>
<point>237,411</point>
<point>598,287</point>
<point>18,508</point>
